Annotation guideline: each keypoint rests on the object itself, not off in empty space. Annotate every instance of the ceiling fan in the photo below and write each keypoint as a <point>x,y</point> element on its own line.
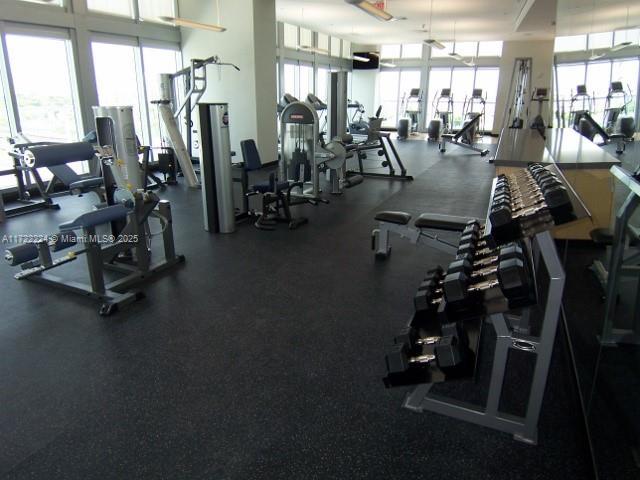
<point>431,41</point>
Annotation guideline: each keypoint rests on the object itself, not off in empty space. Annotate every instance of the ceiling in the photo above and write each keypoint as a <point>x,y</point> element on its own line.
<point>474,19</point>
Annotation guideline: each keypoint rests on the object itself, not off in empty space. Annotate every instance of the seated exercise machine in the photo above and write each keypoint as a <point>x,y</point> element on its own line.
<point>442,115</point>
<point>507,276</point>
<point>276,195</point>
<point>623,264</point>
<point>466,136</point>
<point>26,171</point>
<point>124,249</point>
<point>582,121</point>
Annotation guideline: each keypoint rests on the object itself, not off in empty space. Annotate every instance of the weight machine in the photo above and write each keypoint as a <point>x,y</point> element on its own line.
<point>170,108</point>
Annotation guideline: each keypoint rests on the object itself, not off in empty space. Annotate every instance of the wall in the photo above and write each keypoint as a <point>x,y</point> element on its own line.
<point>541,52</point>
<point>249,42</point>
<point>363,88</point>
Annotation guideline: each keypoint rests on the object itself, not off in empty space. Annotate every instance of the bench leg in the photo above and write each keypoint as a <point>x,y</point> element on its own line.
<point>380,242</point>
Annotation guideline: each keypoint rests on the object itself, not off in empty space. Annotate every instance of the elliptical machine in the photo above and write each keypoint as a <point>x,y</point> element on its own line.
<point>473,108</point>
<point>412,105</point>
<point>615,109</point>
<point>443,115</point>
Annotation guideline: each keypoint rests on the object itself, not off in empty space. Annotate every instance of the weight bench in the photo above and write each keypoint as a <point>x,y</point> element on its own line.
<point>461,138</point>
<point>398,222</point>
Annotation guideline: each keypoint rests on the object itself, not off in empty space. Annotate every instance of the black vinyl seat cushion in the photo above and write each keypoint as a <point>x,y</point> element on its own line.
<point>399,218</point>
<point>442,222</point>
<point>86,183</point>
<point>265,187</point>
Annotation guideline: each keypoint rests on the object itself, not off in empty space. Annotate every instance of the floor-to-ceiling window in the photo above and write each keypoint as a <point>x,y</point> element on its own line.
<point>462,81</point>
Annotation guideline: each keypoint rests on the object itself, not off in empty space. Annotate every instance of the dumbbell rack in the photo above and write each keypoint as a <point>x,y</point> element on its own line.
<point>513,332</point>
<point>509,337</point>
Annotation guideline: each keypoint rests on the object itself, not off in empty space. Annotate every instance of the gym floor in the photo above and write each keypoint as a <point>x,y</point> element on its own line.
<point>262,357</point>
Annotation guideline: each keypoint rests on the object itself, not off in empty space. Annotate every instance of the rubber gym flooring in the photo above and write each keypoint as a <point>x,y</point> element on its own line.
<point>262,357</point>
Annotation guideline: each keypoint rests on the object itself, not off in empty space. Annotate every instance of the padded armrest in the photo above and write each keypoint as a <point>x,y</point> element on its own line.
<point>451,223</point>
<point>95,218</point>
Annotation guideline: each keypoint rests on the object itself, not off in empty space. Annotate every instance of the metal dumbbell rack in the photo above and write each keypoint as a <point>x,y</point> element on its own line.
<point>507,329</point>
<point>512,333</point>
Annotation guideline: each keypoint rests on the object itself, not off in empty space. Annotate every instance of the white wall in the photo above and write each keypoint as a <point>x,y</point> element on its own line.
<point>250,43</point>
<point>363,89</point>
<point>541,52</point>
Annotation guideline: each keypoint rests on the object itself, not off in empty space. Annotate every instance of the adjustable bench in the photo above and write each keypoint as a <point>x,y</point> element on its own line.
<point>398,222</point>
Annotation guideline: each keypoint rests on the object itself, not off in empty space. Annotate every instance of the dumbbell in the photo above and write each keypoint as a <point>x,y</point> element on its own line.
<point>473,249</point>
<point>411,336</point>
<point>511,277</point>
<point>432,280</point>
<point>447,353</point>
<point>502,211</point>
<point>478,268</point>
<point>458,287</point>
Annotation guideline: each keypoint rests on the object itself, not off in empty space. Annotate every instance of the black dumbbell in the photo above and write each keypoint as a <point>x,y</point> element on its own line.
<point>511,277</point>
<point>478,268</point>
<point>410,336</point>
<point>447,353</point>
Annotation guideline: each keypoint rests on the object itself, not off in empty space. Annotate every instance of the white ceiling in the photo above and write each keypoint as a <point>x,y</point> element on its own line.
<point>474,19</point>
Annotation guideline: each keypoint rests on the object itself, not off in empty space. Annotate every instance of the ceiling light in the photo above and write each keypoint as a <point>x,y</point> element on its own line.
<point>388,65</point>
<point>434,44</point>
<point>361,59</point>
<point>372,10</point>
<point>183,22</point>
<point>620,46</point>
<point>309,48</point>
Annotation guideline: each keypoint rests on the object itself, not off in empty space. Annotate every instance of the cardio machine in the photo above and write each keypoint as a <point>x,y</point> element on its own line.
<point>412,105</point>
<point>582,121</point>
<point>615,109</point>
<point>443,115</point>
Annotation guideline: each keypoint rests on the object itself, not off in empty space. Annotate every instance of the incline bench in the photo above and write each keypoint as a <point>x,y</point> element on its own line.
<point>398,222</point>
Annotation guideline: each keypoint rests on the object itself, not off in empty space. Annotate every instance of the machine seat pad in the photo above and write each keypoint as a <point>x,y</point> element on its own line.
<point>95,218</point>
<point>86,184</point>
<point>399,218</point>
<point>447,135</point>
<point>265,187</point>
<point>442,222</point>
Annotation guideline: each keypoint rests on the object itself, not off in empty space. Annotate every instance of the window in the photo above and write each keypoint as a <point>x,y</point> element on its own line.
<point>598,74</point>
<point>626,71</point>
<point>409,80</point>
<point>444,53</point>
<point>412,50</point>
<point>487,80</point>
<point>110,60</point>
<point>569,76</point>
<point>6,163</point>
<point>323,42</point>
<point>306,38</point>
<point>467,49</point>
<point>157,61</point>
<point>150,10</point>
<point>322,83</point>
<point>489,49</point>
<point>346,49</point>
<point>290,36</point>
<point>390,51</point>
<point>600,40</point>
<point>439,78</point>
<point>462,81</point>
<point>388,84</point>
<point>289,85</point>
<point>573,43</point>
<point>57,3</point>
<point>631,35</point>
<point>123,8</point>
<point>306,81</point>
<point>335,47</point>
<point>48,110</point>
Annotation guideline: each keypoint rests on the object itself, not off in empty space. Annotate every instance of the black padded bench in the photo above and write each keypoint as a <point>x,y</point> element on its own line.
<point>398,222</point>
